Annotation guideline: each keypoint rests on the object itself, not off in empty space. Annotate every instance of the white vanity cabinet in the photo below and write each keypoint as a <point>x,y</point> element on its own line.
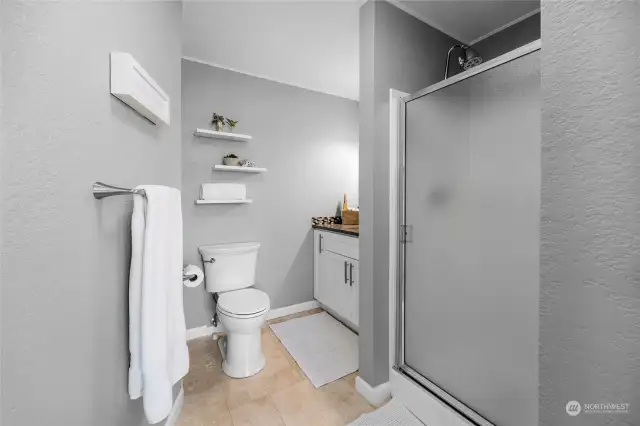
<point>336,274</point>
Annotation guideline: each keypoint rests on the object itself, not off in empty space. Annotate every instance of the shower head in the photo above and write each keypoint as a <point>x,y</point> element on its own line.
<point>468,58</point>
<point>471,58</point>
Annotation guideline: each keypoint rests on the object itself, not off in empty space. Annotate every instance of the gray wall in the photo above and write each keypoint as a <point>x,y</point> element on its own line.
<point>590,218</point>
<point>65,255</point>
<point>511,38</point>
<point>308,141</point>
<point>403,53</point>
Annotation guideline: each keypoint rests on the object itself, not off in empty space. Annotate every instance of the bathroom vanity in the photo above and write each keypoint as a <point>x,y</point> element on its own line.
<point>336,270</point>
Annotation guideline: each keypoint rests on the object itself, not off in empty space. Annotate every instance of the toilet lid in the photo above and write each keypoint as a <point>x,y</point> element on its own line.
<point>248,301</point>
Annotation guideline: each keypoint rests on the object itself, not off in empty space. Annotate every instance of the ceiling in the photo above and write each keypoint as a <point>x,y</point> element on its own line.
<point>314,44</point>
<point>308,44</point>
<point>468,20</point>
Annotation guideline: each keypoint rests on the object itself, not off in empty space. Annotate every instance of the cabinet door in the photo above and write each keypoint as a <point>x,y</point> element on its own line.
<point>332,275</point>
<point>353,292</point>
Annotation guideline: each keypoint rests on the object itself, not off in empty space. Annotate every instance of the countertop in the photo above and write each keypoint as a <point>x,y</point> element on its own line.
<point>353,230</point>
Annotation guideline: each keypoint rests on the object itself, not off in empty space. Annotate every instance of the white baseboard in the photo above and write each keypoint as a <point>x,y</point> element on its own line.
<point>205,330</point>
<point>208,330</point>
<point>172,420</point>
<point>375,395</point>
<point>293,309</point>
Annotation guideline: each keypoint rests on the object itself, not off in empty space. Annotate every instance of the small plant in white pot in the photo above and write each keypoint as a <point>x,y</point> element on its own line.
<point>231,160</point>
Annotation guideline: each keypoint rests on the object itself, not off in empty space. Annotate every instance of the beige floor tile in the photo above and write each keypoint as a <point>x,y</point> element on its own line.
<point>204,354</point>
<point>351,379</point>
<point>276,361</point>
<point>197,381</point>
<point>243,391</point>
<point>261,412</point>
<point>204,410</point>
<point>279,395</point>
<point>302,404</point>
<point>345,400</point>
<point>270,342</point>
<point>283,379</point>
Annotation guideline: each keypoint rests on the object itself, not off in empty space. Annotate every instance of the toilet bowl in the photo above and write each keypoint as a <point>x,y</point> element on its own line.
<point>242,313</point>
<point>229,271</point>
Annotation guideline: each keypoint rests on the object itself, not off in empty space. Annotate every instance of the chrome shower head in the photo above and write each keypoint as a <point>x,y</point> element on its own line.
<point>468,58</point>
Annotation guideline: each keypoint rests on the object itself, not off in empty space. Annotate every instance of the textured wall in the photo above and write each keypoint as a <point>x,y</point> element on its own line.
<point>308,141</point>
<point>65,255</point>
<point>590,218</point>
<point>406,54</point>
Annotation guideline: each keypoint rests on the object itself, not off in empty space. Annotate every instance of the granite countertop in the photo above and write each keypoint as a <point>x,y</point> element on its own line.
<point>353,230</point>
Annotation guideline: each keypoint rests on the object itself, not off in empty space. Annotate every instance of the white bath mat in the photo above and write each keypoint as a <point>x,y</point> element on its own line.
<point>325,349</point>
<point>392,414</point>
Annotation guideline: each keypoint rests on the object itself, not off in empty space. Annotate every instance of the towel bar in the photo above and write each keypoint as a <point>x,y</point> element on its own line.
<point>102,190</point>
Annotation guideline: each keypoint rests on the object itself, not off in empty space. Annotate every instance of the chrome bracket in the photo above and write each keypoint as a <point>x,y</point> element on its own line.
<point>406,233</point>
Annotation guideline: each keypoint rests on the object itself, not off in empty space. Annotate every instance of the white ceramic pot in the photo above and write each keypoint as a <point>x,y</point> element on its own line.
<point>231,161</point>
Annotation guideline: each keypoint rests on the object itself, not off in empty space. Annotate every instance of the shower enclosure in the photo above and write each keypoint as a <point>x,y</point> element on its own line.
<point>468,258</point>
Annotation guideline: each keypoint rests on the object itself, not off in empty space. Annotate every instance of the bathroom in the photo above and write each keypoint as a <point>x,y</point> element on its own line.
<point>325,106</point>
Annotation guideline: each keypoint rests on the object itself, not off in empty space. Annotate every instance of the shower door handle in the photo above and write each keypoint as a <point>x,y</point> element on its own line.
<point>345,272</point>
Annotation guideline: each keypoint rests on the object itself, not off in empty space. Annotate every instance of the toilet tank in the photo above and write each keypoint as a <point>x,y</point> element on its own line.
<point>230,266</point>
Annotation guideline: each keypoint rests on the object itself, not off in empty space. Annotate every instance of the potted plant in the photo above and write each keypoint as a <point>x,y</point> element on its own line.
<point>231,160</point>
<point>232,124</point>
<point>218,122</point>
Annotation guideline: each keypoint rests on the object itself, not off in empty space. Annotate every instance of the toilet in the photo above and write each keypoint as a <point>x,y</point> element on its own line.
<point>230,272</point>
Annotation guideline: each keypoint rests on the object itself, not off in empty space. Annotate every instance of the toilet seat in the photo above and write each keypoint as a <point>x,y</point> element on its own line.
<point>245,303</point>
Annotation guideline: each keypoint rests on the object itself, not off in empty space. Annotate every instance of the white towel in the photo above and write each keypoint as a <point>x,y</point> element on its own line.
<point>223,191</point>
<point>157,331</point>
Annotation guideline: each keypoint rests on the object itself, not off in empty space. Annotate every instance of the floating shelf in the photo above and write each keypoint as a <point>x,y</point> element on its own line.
<point>224,168</point>
<point>206,133</point>
<point>224,201</point>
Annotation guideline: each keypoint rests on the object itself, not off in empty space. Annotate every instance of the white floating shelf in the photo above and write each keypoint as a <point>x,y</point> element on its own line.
<point>224,168</point>
<point>206,133</point>
<point>224,201</point>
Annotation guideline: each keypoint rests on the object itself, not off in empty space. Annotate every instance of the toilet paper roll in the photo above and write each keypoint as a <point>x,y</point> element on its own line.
<point>193,270</point>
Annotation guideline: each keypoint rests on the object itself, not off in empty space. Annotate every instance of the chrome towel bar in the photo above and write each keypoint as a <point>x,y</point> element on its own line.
<point>102,190</point>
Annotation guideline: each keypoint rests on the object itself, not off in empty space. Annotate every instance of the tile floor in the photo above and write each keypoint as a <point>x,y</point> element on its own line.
<point>280,395</point>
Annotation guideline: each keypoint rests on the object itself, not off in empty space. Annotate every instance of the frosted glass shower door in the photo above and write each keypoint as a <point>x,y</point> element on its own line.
<point>471,267</point>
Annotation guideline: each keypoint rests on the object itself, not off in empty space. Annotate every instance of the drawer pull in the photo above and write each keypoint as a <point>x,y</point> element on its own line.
<point>350,274</point>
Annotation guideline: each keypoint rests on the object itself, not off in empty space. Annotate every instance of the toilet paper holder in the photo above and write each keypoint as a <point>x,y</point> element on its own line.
<point>190,277</point>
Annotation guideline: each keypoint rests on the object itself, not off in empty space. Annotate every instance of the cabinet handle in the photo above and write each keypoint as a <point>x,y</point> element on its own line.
<point>345,271</point>
<point>320,244</point>
<point>350,274</point>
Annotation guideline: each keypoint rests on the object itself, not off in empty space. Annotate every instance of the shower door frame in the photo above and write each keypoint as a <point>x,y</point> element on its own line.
<point>424,398</point>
